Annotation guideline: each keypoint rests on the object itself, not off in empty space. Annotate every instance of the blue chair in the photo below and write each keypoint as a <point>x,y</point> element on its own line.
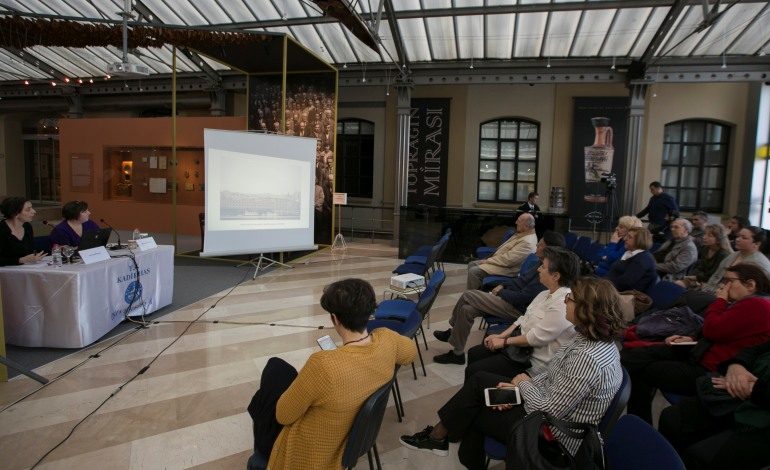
<point>421,256</point>
<point>256,462</point>
<point>635,445</point>
<point>401,308</point>
<point>664,294</point>
<point>362,438</point>
<point>495,449</point>
<point>569,240</point>
<point>581,246</point>
<point>405,326</point>
<point>423,269</point>
<point>593,254</point>
<point>487,251</point>
<point>424,250</point>
<point>672,397</point>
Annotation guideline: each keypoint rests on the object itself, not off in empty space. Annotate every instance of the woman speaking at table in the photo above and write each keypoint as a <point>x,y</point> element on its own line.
<point>76,222</point>
<point>16,239</point>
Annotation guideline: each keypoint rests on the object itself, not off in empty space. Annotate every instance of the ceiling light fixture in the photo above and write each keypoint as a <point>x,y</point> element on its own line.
<point>613,63</point>
<point>724,61</point>
<point>548,64</point>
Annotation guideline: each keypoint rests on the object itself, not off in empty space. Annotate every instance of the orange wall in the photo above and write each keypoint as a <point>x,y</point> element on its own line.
<point>91,136</point>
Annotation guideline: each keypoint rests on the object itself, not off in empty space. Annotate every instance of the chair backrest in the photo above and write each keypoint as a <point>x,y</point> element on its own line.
<point>593,254</point>
<point>618,404</point>
<point>569,240</point>
<point>635,445</point>
<point>664,294</point>
<point>507,235</point>
<point>428,296</point>
<point>581,246</point>
<point>366,425</point>
<point>443,242</point>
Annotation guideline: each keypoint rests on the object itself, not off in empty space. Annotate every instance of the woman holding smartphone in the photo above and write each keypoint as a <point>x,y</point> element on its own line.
<point>302,420</point>
<point>577,385</point>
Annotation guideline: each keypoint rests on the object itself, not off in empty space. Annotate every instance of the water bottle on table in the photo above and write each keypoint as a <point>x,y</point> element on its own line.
<point>56,256</point>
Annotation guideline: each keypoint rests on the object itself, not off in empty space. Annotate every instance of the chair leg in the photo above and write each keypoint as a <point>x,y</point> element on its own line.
<point>425,374</point>
<point>424,340</point>
<point>377,457</point>
<point>414,369</point>
<point>400,401</point>
<point>395,400</point>
<point>369,456</point>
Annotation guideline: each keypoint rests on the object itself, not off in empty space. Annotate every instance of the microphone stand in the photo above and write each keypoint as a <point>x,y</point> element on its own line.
<point>120,245</point>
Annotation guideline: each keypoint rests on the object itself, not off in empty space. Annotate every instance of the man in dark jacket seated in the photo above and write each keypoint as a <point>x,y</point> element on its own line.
<point>506,301</point>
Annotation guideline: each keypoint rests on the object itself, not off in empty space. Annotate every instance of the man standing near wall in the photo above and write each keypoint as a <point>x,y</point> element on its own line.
<point>530,206</point>
<point>662,209</point>
<point>508,258</point>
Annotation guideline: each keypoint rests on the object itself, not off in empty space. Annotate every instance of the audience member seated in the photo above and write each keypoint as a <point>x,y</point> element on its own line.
<point>700,220</point>
<point>678,253</point>
<point>734,225</point>
<point>714,249</point>
<point>16,237</point>
<point>735,433</point>
<point>636,268</point>
<point>508,258</point>
<point>617,246</point>
<point>578,383</point>
<point>749,240</point>
<point>76,222</point>
<point>302,420</point>
<point>559,267</point>
<point>532,340</point>
<point>737,319</point>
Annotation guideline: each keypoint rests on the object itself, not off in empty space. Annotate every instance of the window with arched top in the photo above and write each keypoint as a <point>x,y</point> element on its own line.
<point>355,157</point>
<point>508,154</point>
<point>694,163</point>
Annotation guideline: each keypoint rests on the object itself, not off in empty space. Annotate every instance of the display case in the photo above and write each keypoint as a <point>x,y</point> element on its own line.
<point>145,174</point>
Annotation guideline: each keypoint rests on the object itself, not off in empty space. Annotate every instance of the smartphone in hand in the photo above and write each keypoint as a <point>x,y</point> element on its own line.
<point>502,396</point>
<point>326,343</point>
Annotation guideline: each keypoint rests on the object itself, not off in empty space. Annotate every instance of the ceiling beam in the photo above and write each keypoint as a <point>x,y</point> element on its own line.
<point>402,59</point>
<point>150,16</point>
<point>39,64</point>
<point>663,30</point>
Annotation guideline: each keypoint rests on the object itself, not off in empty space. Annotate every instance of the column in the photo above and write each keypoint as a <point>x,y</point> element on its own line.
<point>403,110</point>
<point>638,92</point>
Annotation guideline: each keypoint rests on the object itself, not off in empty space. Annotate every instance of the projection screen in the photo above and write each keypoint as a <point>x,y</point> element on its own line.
<point>260,190</point>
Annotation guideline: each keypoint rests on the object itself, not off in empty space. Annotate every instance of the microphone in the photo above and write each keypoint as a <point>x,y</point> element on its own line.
<point>120,245</point>
<point>45,222</point>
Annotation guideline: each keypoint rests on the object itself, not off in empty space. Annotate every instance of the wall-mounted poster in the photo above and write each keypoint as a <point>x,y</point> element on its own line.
<point>598,161</point>
<point>81,169</point>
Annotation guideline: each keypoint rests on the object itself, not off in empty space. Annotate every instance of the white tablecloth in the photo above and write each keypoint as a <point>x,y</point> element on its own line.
<point>74,305</point>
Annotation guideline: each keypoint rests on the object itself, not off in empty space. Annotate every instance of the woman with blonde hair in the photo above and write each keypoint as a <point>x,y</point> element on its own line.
<point>636,268</point>
<point>616,247</point>
<point>715,248</point>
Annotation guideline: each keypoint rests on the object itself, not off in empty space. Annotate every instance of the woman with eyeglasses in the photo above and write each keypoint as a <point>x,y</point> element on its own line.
<point>76,222</point>
<point>737,319</point>
<point>714,249</point>
<point>578,383</point>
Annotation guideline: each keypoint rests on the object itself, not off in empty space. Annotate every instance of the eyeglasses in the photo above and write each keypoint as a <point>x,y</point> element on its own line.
<point>569,298</point>
<point>728,280</point>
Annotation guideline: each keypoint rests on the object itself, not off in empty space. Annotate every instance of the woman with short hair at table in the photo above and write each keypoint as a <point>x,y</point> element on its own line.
<point>16,237</point>
<point>76,222</point>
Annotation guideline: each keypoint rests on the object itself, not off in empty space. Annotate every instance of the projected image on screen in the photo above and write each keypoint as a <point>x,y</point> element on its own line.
<point>257,190</point>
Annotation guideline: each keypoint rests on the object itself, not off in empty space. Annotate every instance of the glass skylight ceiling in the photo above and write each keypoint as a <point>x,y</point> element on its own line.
<point>446,32</point>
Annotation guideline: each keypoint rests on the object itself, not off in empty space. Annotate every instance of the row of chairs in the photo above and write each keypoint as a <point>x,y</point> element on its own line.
<point>425,259</point>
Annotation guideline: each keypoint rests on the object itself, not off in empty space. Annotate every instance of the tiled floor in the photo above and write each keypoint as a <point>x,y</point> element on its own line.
<point>188,409</point>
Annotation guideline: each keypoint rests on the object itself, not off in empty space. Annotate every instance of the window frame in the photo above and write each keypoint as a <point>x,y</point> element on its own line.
<point>498,181</point>
<point>683,167</point>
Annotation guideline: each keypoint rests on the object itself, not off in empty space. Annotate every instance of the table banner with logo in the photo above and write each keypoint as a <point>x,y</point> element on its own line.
<point>73,306</point>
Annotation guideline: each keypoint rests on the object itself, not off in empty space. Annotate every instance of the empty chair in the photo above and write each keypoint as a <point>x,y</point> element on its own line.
<point>362,438</point>
<point>593,254</point>
<point>664,294</point>
<point>581,246</point>
<point>424,250</point>
<point>635,445</point>
<point>423,269</point>
<point>421,255</point>
<point>487,251</point>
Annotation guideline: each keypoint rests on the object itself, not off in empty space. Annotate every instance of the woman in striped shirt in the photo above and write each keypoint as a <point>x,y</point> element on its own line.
<point>578,384</point>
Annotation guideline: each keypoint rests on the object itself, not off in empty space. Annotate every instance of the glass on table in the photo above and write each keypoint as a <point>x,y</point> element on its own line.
<point>68,251</point>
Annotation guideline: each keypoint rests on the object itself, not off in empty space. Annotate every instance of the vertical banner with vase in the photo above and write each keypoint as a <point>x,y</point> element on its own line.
<point>428,152</point>
<point>599,155</point>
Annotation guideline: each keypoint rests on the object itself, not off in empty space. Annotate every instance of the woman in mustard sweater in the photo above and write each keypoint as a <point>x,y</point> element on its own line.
<point>313,415</point>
